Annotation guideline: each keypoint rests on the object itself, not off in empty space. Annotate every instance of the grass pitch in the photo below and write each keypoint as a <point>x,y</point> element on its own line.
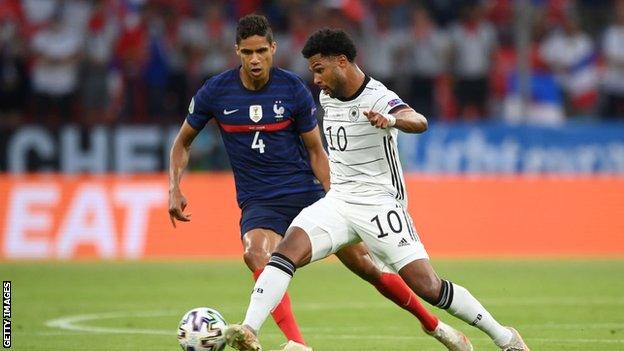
<point>556,305</point>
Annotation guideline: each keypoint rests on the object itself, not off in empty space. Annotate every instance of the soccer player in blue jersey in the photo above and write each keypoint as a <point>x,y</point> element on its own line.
<point>267,121</point>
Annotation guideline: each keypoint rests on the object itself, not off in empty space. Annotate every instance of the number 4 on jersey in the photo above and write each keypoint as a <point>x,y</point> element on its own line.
<point>257,143</point>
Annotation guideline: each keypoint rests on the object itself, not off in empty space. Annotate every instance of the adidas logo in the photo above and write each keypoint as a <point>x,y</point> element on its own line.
<point>403,242</point>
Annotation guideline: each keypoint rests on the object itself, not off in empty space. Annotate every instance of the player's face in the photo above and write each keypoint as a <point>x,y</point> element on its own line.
<point>328,74</point>
<point>256,54</point>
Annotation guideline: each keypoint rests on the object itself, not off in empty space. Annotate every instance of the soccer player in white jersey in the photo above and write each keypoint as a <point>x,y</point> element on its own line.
<point>367,199</point>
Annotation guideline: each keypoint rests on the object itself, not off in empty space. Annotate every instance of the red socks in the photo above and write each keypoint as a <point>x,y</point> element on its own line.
<point>395,289</point>
<point>284,317</point>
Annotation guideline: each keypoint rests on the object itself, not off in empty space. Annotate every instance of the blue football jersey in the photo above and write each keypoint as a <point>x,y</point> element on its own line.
<point>261,132</point>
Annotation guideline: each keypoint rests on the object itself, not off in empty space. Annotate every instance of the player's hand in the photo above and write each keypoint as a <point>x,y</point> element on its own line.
<point>376,119</point>
<point>177,204</point>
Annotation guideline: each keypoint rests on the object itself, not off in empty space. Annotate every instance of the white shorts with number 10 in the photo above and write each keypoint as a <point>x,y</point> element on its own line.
<point>386,228</point>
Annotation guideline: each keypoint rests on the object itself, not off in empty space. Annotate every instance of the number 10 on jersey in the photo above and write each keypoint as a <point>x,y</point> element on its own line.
<point>257,143</point>
<point>341,138</point>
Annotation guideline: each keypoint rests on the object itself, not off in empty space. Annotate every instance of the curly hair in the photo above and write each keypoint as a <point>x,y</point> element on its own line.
<point>330,42</point>
<point>251,25</point>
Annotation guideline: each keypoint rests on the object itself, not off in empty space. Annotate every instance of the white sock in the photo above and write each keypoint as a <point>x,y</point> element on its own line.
<point>460,303</point>
<point>268,291</point>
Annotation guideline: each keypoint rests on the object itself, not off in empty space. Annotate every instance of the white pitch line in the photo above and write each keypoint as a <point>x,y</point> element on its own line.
<point>58,333</point>
<point>73,324</point>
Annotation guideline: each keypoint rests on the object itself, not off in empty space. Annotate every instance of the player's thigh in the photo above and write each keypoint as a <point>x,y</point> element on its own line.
<point>261,228</point>
<point>261,239</point>
<point>388,232</point>
<point>276,214</point>
<point>326,228</point>
<point>264,216</point>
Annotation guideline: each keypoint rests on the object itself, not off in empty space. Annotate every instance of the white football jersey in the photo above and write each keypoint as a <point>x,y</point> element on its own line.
<point>363,160</point>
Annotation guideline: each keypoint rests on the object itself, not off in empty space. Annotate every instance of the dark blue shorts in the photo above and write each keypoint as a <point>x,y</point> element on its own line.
<point>276,214</point>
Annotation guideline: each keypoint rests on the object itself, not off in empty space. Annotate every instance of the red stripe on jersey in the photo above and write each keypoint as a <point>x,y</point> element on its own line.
<point>244,128</point>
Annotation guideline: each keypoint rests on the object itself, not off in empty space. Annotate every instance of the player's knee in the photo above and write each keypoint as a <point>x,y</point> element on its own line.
<point>358,260</point>
<point>426,286</point>
<point>256,258</point>
<point>366,270</point>
<point>296,256</point>
<point>430,288</point>
<point>296,247</point>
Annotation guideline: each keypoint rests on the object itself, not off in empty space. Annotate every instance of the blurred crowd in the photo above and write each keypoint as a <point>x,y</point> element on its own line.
<point>140,61</point>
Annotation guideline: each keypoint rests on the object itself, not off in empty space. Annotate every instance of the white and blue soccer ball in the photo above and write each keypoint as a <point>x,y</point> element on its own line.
<point>202,329</point>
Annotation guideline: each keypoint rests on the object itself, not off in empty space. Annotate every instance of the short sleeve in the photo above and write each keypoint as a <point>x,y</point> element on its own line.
<point>200,109</point>
<point>388,102</point>
<point>305,110</point>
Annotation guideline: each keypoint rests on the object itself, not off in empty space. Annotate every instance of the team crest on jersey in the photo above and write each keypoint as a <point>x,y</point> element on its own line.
<point>354,113</point>
<point>279,111</point>
<point>255,113</point>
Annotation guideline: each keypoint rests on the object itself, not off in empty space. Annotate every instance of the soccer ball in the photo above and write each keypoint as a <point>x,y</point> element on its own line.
<point>202,329</point>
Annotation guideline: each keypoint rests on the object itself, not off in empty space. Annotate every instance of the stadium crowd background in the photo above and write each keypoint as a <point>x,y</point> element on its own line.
<point>140,61</point>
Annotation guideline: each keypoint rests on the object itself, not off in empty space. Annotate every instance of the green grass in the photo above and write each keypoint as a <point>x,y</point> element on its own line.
<point>557,305</point>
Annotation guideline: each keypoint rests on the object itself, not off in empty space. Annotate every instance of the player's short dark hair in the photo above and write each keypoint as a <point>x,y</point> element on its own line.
<point>330,42</point>
<point>251,25</point>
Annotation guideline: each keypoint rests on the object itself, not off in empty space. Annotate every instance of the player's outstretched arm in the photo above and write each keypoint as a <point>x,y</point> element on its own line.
<point>318,156</point>
<point>405,119</point>
<point>178,159</point>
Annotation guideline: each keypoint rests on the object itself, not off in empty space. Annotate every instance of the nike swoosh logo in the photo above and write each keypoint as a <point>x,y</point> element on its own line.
<point>226,112</point>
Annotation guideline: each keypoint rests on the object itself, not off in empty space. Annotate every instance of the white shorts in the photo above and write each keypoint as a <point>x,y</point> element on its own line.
<point>386,229</point>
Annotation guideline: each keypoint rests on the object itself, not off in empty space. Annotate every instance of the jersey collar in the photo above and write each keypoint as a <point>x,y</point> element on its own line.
<point>264,87</point>
<point>358,92</point>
